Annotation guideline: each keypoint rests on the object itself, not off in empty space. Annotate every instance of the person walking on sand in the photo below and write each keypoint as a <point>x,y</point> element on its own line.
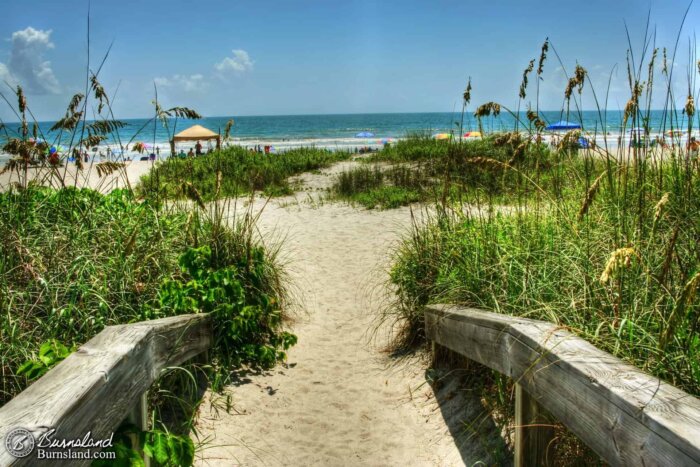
<point>190,153</point>
<point>198,148</point>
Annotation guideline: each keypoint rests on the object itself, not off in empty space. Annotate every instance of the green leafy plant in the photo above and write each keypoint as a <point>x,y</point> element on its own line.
<point>163,448</point>
<point>246,321</point>
<point>51,353</point>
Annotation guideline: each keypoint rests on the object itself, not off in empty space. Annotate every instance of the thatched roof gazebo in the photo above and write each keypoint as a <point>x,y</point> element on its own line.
<point>195,133</point>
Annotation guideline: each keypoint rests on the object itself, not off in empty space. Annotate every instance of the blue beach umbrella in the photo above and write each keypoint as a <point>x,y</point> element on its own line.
<point>364,134</point>
<point>564,125</point>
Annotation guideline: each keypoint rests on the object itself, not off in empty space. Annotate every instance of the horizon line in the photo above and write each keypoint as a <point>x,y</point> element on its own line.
<point>571,114</point>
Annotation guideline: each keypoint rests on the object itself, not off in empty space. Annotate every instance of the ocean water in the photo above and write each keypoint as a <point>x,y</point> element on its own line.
<point>338,131</point>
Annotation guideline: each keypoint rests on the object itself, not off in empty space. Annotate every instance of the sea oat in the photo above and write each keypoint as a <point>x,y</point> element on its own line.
<point>107,167</point>
<point>632,104</point>
<point>543,56</point>
<point>590,195</point>
<point>577,81</point>
<point>619,258</point>
<point>535,120</point>
<point>523,84</point>
<point>100,93</point>
<point>659,208</point>
<point>518,152</point>
<point>191,192</point>
<point>490,108</point>
<point>467,96</point>
<point>690,106</point>
<point>569,140</point>
<point>227,129</point>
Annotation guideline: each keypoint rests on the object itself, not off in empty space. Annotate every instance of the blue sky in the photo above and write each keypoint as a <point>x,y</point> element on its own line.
<point>302,57</point>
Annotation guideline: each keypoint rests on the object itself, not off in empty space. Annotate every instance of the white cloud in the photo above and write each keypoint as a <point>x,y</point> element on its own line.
<point>5,74</point>
<point>239,63</point>
<point>187,83</point>
<point>27,65</point>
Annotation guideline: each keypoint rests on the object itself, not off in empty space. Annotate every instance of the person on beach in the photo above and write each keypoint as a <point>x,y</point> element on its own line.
<point>190,153</point>
<point>182,154</point>
<point>198,148</point>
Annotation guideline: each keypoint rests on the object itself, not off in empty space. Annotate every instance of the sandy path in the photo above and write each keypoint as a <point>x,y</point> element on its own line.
<point>340,401</point>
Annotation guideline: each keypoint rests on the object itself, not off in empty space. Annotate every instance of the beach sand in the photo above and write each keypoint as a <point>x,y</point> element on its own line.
<point>341,400</point>
<point>87,177</point>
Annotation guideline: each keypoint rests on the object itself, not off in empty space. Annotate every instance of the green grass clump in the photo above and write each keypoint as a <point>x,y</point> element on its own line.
<point>234,171</point>
<point>373,187</point>
<point>498,167</point>
<point>74,261</point>
<point>388,197</point>
<point>617,260</point>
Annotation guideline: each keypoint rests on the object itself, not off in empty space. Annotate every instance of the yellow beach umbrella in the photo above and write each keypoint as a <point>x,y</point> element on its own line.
<point>442,136</point>
<point>472,134</point>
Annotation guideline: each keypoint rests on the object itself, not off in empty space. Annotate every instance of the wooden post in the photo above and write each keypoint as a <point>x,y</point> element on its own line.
<point>203,371</point>
<point>139,417</point>
<point>533,431</point>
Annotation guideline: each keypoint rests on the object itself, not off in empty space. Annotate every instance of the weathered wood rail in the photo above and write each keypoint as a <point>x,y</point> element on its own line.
<point>104,382</point>
<point>626,416</point>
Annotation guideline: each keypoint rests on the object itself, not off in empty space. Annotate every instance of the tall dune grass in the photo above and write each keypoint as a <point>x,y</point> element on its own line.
<point>608,246</point>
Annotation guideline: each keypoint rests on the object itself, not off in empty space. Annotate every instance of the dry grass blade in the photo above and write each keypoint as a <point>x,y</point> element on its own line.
<point>92,141</point>
<point>11,165</point>
<point>590,195</point>
<point>104,127</point>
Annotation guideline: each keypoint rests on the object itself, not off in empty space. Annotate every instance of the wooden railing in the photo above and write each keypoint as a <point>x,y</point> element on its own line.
<point>104,382</point>
<point>626,416</point>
